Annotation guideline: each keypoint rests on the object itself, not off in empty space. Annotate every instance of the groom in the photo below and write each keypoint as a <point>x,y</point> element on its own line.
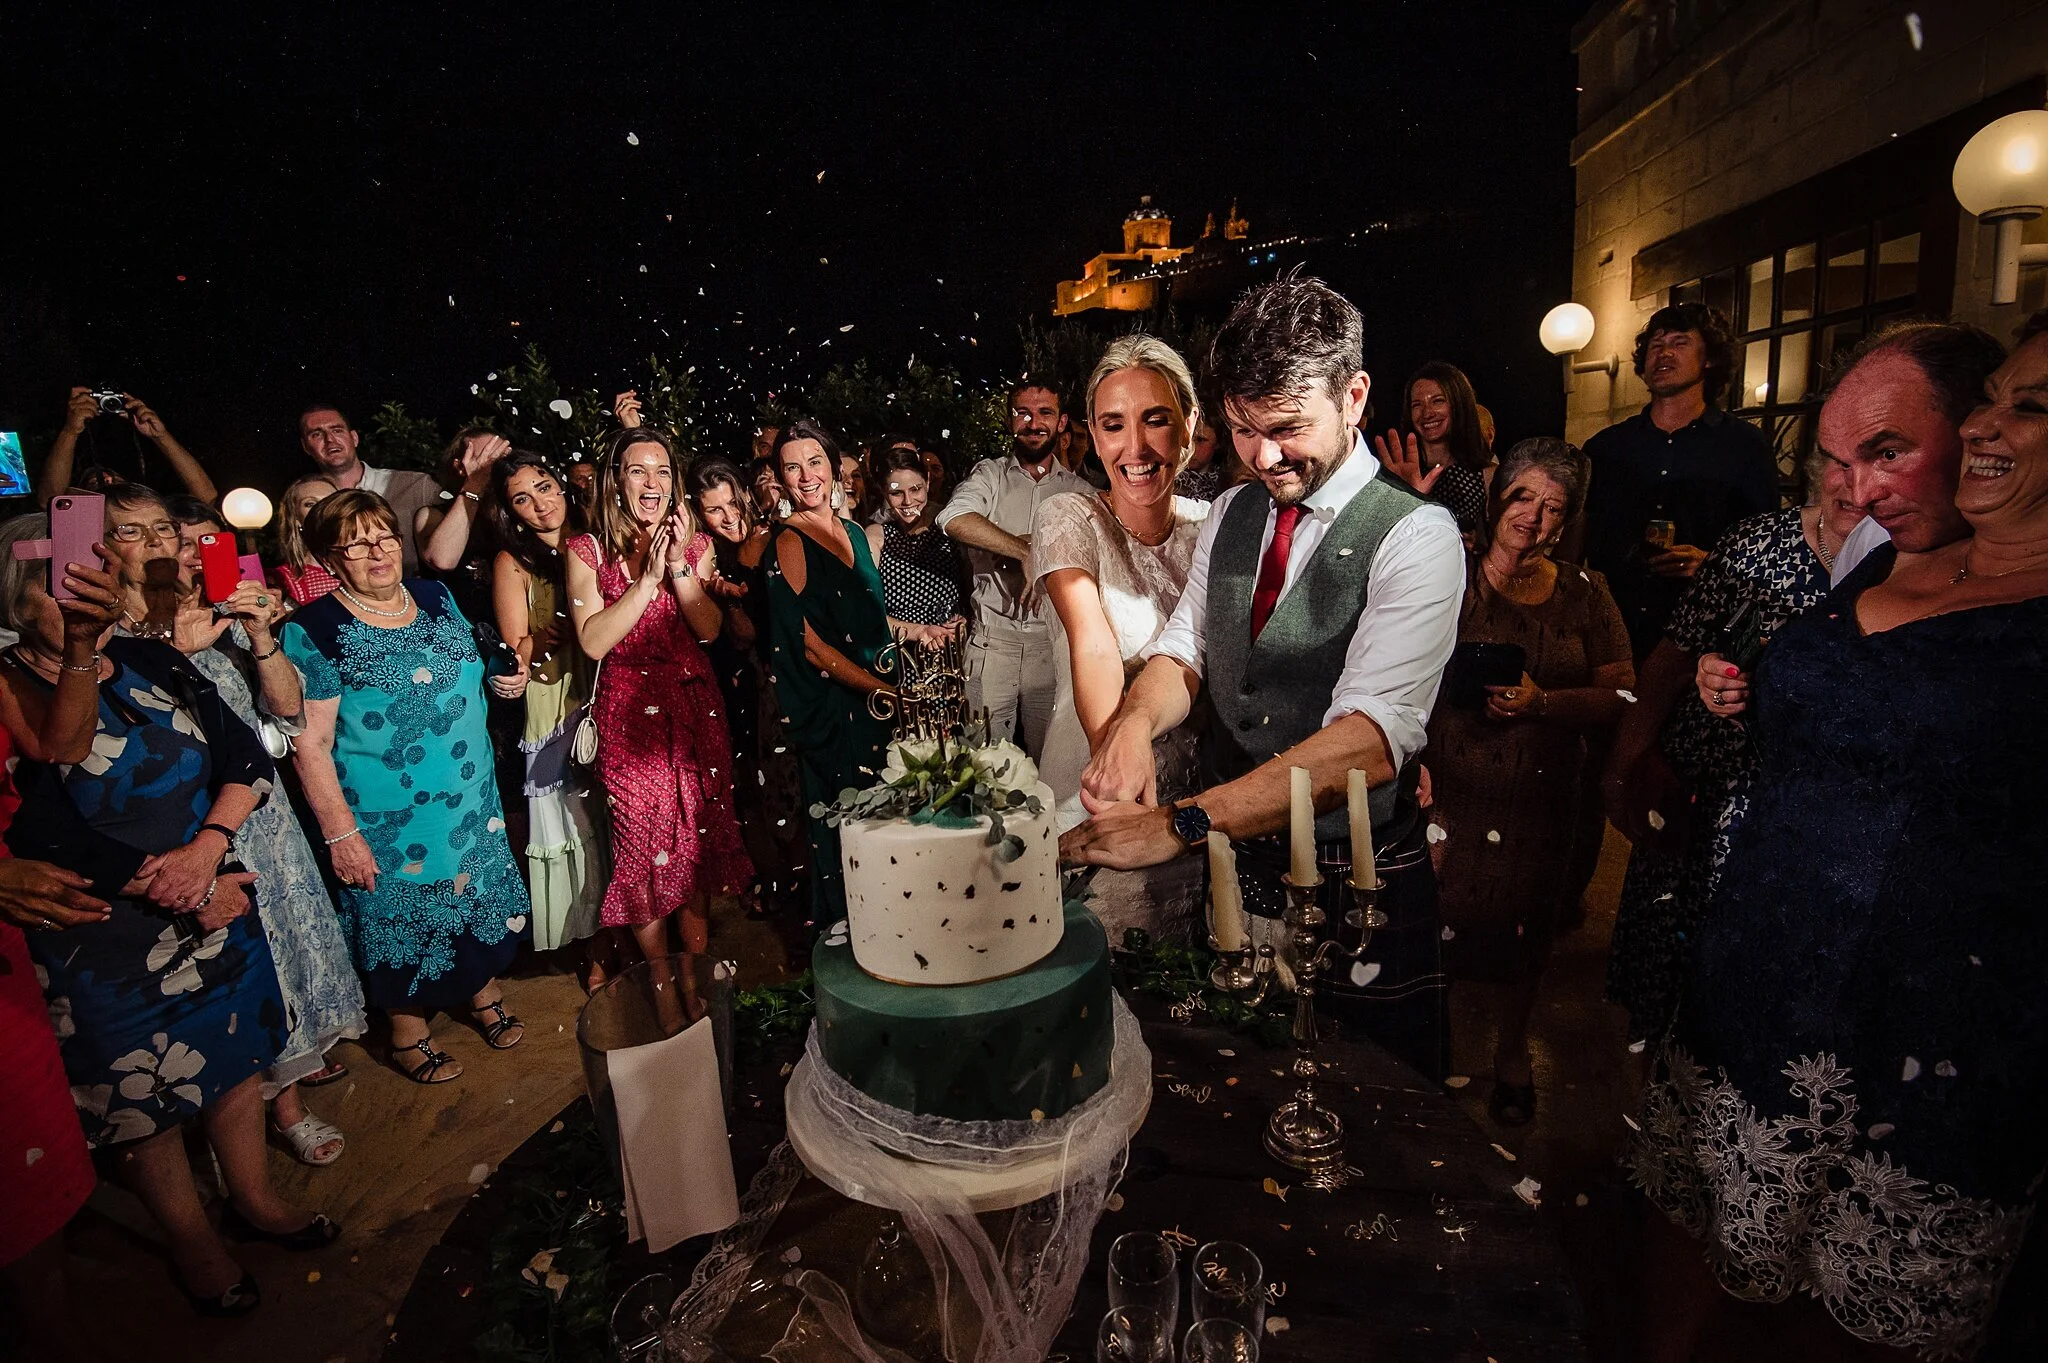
<point>1321,608</point>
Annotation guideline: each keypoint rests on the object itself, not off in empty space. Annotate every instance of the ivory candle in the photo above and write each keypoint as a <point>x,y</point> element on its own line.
<point>1226,900</point>
<point>1301,809</point>
<point>1364,872</point>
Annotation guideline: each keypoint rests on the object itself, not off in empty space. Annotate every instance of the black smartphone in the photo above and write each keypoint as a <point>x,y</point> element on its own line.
<point>1744,636</point>
<point>1476,666</point>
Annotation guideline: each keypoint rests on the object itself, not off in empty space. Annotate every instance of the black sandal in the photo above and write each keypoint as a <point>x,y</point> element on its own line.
<point>238,1300</point>
<point>503,1023</point>
<point>429,1072</point>
<point>315,1234</point>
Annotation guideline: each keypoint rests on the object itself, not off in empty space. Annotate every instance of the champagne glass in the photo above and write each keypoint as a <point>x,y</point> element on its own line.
<point>639,1317</point>
<point>1227,1280</point>
<point>1133,1334</point>
<point>894,1298</point>
<point>1144,1270</point>
<point>1219,1340</point>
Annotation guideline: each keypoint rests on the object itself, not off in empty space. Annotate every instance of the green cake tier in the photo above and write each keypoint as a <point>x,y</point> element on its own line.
<point>1029,1045</point>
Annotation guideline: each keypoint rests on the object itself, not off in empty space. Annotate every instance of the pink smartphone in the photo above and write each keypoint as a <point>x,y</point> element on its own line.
<point>78,521</point>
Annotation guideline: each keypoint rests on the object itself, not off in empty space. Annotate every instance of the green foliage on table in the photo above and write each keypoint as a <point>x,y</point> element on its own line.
<point>1181,973</point>
<point>771,1012</point>
<point>949,783</point>
<point>570,1204</point>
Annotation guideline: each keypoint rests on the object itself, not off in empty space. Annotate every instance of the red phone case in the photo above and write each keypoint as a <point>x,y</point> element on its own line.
<point>220,565</point>
<point>78,521</point>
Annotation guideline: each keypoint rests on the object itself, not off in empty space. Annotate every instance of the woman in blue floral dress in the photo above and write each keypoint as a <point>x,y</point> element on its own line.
<point>397,766</point>
<point>135,774</point>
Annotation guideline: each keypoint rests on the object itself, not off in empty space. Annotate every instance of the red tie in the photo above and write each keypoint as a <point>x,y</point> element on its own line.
<point>1273,568</point>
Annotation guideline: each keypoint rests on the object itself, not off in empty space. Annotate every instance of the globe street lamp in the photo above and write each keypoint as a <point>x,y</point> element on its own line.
<point>246,508</point>
<point>1567,329</point>
<point>2001,176</point>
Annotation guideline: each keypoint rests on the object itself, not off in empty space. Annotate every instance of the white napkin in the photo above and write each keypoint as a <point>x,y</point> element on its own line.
<point>673,1146</point>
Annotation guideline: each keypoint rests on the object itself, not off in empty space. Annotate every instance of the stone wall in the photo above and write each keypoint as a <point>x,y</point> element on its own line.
<point>1765,96</point>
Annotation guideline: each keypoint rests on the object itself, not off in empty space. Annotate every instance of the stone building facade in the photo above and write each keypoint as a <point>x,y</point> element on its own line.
<point>1788,161</point>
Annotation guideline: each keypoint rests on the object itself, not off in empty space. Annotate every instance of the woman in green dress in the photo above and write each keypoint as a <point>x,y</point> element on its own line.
<point>828,625</point>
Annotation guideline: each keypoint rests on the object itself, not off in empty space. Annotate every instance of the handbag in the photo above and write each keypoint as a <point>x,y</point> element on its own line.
<point>583,748</point>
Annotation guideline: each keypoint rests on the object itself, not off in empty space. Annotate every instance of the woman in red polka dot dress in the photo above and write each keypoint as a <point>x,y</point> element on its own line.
<point>639,595</point>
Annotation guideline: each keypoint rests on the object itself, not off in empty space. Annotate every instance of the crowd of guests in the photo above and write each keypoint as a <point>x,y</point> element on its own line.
<point>566,707</point>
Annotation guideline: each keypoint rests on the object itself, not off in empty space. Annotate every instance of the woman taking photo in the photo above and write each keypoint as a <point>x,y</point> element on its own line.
<point>640,598</point>
<point>924,579</point>
<point>134,775</point>
<point>396,765</point>
<point>1112,565</point>
<point>766,785</point>
<point>1508,761</point>
<point>566,866</point>
<point>232,645</point>
<point>828,626</point>
<point>1440,448</point>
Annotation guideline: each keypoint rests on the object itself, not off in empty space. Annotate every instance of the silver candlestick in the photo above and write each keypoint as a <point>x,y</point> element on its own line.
<point>1302,1133</point>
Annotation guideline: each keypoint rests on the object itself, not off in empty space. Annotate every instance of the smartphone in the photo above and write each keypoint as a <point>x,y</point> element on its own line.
<point>1476,666</point>
<point>1744,636</point>
<point>13,469</point>
<point>78,521</point>
<point>1661,533</point>
<point>219,565</point>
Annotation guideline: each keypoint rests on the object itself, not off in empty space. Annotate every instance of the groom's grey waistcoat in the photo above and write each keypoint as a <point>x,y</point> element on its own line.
<point>1267,696</point>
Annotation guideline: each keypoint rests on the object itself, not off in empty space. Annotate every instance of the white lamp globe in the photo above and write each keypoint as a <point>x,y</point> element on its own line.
<point>2005,165</point>
<point>1566,328</point>
<point>246,508</point>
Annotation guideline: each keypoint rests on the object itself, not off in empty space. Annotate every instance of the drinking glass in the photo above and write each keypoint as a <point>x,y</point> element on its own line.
<point>1217,1340</point>
<point>639,1317</point>
<point>1227,1280</point>
<point>894,1298</point>
<point>1144,1270</point>
<point>1133,1334</point>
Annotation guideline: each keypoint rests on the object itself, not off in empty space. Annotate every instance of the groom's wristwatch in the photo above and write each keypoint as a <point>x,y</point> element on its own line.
<point>1191,825</point>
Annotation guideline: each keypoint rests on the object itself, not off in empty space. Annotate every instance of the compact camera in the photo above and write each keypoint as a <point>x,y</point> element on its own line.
<point>111,403</point>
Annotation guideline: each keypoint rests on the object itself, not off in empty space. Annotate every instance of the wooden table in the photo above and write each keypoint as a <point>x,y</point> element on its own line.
<point>1460,1267</point>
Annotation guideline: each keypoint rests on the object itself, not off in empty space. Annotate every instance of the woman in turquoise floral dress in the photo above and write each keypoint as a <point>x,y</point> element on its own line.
<point>396,764</point>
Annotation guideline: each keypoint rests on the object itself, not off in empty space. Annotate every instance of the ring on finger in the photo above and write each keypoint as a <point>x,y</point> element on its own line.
<point>1718,700</point>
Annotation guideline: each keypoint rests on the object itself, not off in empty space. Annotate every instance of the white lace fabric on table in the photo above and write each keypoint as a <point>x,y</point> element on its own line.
<point>1019,1291</point>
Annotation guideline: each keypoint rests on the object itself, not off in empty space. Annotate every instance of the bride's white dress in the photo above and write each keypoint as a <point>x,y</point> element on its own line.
<point>1140,585</point>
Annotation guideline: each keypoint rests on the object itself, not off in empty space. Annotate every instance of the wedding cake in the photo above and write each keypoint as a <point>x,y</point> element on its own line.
<point>960,985</point>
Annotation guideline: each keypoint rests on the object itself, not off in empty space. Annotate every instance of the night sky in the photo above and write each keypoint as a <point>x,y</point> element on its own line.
<point>229,214</point>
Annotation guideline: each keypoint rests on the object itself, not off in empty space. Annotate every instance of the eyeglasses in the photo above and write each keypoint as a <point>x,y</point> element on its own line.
<point>361,549</point>
<point>128,532</point>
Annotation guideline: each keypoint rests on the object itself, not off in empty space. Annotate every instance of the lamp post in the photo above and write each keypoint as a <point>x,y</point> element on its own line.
<point>246,508</point>
<point>1567,329</point>
<point>2001,176</point>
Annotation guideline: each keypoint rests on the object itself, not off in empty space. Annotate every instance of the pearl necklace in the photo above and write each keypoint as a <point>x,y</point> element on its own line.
<point>369,609</point>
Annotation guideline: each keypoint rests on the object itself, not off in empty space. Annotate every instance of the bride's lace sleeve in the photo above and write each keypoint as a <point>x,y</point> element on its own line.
<point>1062,536</point>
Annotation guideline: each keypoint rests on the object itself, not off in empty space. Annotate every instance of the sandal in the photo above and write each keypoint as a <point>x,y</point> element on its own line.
<point>315,1234</point>
<point>498,1026</point>
<point>238,1300</point>
<point>429,1072</point>
<point>326,1074</point>
<point>308,1134</point>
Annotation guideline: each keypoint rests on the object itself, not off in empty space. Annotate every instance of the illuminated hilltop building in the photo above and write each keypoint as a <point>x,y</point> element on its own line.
<point>1130,280</point>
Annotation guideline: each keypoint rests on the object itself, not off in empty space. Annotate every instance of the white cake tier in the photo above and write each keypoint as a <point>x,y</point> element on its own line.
<point>931,905</point>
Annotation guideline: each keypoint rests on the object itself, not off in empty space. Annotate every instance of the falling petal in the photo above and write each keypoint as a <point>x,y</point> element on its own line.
<point>632,139</point>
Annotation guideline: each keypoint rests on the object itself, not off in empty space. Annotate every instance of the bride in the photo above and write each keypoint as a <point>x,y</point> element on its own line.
<point>1112,565</point>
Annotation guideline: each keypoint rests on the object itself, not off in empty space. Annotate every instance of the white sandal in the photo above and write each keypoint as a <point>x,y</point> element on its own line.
<point>309,1135</point>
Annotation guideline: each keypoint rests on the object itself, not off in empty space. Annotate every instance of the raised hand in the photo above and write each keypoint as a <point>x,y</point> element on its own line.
<point>146,421</point>
<point>80,409</point>
<point>1402,456</point>
<point>480,452</point>
<point>626,407</point>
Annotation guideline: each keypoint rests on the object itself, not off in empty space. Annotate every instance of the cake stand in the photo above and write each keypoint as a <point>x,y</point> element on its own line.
<point>817,1140</point>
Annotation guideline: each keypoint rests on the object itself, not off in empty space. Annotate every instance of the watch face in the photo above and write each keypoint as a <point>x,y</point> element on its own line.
<point>1191,824</point>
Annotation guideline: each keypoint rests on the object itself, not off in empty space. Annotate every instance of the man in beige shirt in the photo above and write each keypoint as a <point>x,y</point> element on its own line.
<point>330,442</point>
<point>1010,668</point>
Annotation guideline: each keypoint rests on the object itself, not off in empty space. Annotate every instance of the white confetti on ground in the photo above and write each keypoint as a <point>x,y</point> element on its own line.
<point>479,1172</point>
<point>1493,835</point>
<point>1580,1200</point>
<point>1656,821</point>
<point>1504,1152</point>
<point>1528,1190</point>
<point>1945,1068</point>
<point>1880,1130</point>
<point>1457,1081</point>
<point>1910,1070</point>
<point>1636,1047</point>
<point>1276,1325</point>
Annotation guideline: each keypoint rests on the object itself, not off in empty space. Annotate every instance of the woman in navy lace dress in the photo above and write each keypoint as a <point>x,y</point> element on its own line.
<point>1852,1103</point>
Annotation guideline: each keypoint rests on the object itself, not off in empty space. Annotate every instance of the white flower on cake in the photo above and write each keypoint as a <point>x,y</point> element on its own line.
<point>1003,767</point>
<point>907,755</point>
